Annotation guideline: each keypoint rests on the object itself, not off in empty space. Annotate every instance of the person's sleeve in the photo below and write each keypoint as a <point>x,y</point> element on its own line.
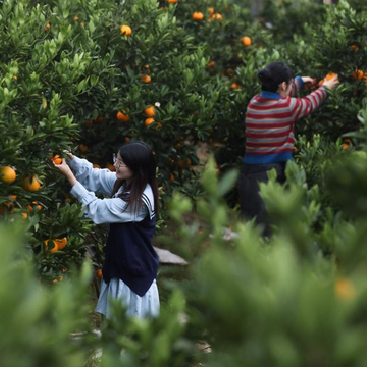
<point>99,180</point>
<point>297,85</point>
<point>301,107</point>
<point>106,210</point>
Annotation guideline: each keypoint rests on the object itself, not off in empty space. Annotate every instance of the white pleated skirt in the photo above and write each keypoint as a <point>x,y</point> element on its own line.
<point>142,307</point>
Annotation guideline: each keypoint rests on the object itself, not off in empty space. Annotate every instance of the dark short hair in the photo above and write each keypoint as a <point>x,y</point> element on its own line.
<point>274,74</point>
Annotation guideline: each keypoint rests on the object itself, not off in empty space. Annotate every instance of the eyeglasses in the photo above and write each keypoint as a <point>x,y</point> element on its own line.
<point>117,162</point>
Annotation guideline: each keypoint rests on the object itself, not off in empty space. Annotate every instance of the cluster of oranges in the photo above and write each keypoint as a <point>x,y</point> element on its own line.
<point>198,15</point>
<point>29,183</point>
<point>57,244</point>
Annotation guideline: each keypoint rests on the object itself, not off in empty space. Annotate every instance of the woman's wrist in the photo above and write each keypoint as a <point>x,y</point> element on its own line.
<point>71,179</point>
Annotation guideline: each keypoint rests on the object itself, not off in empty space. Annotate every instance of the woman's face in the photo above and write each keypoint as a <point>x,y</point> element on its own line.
<point>123,172</point>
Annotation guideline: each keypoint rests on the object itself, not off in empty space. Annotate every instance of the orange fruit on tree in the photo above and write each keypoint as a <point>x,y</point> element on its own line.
<point>99,274</point>
<point>121,116</point>
<point>9,208</point>
<point>347,140</point>
<point>354,47</point>
<point>235,86</point>
<point>330,76</point>
<point>145,78</point>
<point>56,159</point>
<point>111,167</point>
<point>48,26</point>
<point>149,121</point>
<point>150,111</point>
<point>346,146</point>
<point>60,242</point>
<point>125,30</point>
<point>180,163</point>
<point>358,74</point>
<point>217,16</point>
<point>34,203</point>
<point>344,289</point>
<point>211,11</point>
<point>172,178</point>
<point>31,183</point>
<point>7,175</point>
<point>211,65</point>
<point>99,119</point>
<point>83,148</point>
<point>52,248</point>
<point>246,41</point>
<point>75,17</point>
<point>24,215</point>
<point>172,1</point>
<point>198,15</point>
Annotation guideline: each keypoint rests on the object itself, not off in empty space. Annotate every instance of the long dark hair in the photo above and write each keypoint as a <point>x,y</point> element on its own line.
<point>274,74</point>
<point>139,158</point>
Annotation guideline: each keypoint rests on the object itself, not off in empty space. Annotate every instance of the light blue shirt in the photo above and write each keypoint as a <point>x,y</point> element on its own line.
<point>102,180</point>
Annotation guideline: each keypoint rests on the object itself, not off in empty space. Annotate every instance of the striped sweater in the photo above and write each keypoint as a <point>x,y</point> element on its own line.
<point>270,123</point>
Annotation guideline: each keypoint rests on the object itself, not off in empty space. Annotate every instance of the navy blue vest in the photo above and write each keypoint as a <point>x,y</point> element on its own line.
<point>130,255</point>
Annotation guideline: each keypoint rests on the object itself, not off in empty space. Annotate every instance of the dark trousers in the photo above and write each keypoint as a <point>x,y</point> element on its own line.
<point>252,205</point>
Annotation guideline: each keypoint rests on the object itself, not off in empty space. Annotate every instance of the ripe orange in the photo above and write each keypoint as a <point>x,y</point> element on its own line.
<point>9,206</point>
<point>149,121</point>
<point>217,16</point>
<point>126,30</point>
<point>172,178</point>
<point>358,74</point>
<point>198,15</point>
<point>211,65</point>
<point>83,148</point>
<point>150,111</point>
<point>99,274</point>
<point>56,159</point>
<point>330,76</point>
<point>34,203</point>
<point>145,78</point>
<point>24,215</point>
<point>344,289</point>
<point>60,242</point>
<point>53,249</point>
<point>31,183</point>
<point>346,146</point>
<point>354,47</point>
<point>13,197</point>
<point>180,163</point>
<point>347,140</point>
<point>15,77</point>
<point>121,116</point>
<point>48,26</point>
<point>7,175</point>
<point>211,11</point>
<point>172,1</point>
<point>75,17</point>
<point>235,86</point>
<point>111,167</point>
<point>246,41</point>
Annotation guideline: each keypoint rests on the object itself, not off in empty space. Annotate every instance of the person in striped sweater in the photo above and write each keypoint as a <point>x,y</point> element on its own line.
<point>270,122</point>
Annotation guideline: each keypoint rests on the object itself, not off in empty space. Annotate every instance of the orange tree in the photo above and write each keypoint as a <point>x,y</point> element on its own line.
<point>89,76</point>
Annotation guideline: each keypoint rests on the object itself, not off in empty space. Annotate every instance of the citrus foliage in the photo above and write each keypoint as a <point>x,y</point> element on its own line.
<point>83,76</point>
